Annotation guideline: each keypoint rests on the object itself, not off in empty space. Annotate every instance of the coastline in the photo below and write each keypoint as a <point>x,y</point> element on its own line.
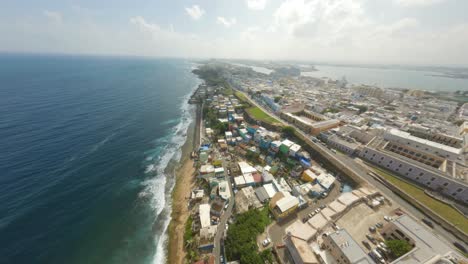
<point>183,172</point>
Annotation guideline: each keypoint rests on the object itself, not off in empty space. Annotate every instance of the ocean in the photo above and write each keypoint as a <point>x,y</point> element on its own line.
<point>85,143</point>
<point>391,77</point>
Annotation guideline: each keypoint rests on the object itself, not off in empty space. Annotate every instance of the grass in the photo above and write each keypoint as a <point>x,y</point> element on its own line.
<point>241,97</point>
<point>260,115</point>
<point>444,210</point>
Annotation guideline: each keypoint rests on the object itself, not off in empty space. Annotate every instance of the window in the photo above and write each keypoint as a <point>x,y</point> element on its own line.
<point>445,184</point>
<point>421,174</point>
<point>433,178</point>
<point>399,233</point>
<point>399,166</point>
<point>410,169</point>
<point>459,190</point>
<point>391,161</point>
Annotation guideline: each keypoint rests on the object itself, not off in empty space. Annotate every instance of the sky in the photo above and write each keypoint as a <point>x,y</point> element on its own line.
<point>422,32</point>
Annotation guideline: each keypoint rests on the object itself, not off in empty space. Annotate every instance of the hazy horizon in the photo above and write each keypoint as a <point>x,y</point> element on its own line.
<point>384,32</point>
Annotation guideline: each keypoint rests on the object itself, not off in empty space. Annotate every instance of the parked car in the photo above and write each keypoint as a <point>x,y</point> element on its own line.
<point>322,206</point>
<point>366,244</point>
<point>372,229</point>
<point>382,244</point>
<point>427,222</point>
<point>266,242</point>
<point>387,218</point>
<point>379,225</point>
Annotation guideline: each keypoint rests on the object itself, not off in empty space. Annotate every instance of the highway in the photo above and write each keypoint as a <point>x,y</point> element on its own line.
<point>362,171</point>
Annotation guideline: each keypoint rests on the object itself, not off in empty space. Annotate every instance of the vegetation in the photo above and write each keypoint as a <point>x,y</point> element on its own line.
<point>241,237</point>
<point>190,245</point>
<point>212,76</point>
<point>260,115</point>
<point>444,210</point>
<point>362,109</point>
<point>288,131</point>
<point>277,99</point>
<point>398,247</point>
<point>331,110</point>
<point>210,116</point>
<point>253,157</point>
<point>241,97</point>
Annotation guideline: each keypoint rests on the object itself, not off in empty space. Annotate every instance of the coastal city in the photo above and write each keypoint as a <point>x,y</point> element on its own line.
<point>289,168</point>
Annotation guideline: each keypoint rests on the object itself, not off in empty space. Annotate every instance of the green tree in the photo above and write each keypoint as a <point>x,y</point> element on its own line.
<point>398,247</point>
<point>288,131</point>
<point>277,99</point>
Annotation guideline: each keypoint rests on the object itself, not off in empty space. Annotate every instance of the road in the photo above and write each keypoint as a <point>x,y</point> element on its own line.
<point>223,220</point>
<point>363,173</point>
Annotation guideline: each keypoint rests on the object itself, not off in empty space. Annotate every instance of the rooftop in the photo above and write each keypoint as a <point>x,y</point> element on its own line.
<point>349,247</point>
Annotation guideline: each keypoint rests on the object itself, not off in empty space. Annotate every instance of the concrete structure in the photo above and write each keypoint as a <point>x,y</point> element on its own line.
<point>348,146</point>
<point>425,175</point>
<point>310,122</point>
<point>246,199</point>
<point>422,145</point>
<point>309,176</point>
<point>344,249</point>
<point>283,204</point>
<point>223,190</point>
<point>301,230</point>
<point>204,214</point>
<point>300,251</point>
<point>426,246</point>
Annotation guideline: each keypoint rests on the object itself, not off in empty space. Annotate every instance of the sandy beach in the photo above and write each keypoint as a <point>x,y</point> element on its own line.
<point>180,196</point>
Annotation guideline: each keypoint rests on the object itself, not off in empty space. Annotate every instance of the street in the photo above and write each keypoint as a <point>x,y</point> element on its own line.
<point>363,173</point>
<point>223,220</point>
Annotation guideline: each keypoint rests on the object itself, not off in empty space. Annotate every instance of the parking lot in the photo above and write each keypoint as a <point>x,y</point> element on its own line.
<point>360,218</point>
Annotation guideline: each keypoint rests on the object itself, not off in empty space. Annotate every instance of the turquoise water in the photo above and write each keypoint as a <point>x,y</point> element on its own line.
<point>391,78</point>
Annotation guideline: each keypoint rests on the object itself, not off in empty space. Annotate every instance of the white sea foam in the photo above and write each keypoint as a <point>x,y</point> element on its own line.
<point>159,188</point>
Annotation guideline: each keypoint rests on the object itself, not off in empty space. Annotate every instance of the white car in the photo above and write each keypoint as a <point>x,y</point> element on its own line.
<point>387,218</point>
<point>266,242</point>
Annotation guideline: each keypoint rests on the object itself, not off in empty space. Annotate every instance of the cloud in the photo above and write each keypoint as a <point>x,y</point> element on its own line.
<point>195,12</point>
<point>226,21</point>
<point>256,4</point>
<point>413,3</point>
<point>327,19</point>
<point>53,16</point>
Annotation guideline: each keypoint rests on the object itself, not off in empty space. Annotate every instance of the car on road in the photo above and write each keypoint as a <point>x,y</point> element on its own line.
<point>427,222</point>
<point>266,242</point>
<point>460,247</point>
<point>399,212</point>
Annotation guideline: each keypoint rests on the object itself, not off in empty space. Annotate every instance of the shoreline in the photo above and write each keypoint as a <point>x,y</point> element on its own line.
<point>183,172</point>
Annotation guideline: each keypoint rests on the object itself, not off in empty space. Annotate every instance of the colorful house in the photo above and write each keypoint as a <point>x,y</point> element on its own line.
<point>285,145</point>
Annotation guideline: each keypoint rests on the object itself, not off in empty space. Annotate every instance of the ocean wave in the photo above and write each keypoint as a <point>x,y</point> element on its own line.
<point>158,189</point>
